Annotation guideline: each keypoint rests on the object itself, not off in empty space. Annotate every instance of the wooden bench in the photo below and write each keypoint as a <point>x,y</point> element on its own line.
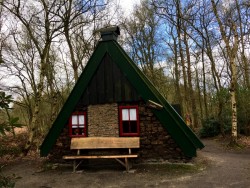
<point>104,143</point>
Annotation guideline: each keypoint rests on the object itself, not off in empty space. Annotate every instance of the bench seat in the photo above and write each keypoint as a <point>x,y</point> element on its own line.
<point>99,156</point>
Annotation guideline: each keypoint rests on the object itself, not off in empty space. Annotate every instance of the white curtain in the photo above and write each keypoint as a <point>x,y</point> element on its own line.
<point>81,121</point>
<point>78,120</point>
<point>129,114</point>
<point>125,116</point>
<point>132,113</point>
<point>74,120</point>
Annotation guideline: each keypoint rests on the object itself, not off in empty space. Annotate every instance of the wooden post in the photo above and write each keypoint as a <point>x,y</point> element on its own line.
<point>126,164</point>
<point>74,166</point>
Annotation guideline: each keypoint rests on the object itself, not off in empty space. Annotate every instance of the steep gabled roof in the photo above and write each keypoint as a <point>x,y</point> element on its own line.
<point>180,132</point>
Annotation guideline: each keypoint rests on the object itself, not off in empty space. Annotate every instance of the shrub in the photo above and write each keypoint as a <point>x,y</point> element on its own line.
<point>211,127</point>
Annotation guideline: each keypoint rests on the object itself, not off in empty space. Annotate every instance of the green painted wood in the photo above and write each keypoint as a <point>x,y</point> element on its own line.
<point>101,88</point>
<point>174,124</point>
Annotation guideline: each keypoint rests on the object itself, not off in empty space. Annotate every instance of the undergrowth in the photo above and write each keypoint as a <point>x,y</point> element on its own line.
<point>7,181</point>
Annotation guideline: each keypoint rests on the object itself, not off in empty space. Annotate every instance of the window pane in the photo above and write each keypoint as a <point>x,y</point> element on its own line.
<point>81,119</point>
<point>132,113</point>
<point>74,120</point>
<point>133,127</point>
<point>125,126</point>
<point>75,131</point>
<point>81,131</point>
<point>125,116</point>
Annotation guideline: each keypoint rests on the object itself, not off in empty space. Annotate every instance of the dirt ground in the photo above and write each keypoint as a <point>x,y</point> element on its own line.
<point>215,166</point>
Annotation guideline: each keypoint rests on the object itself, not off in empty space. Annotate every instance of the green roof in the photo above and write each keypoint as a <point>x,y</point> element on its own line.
<point>170,119</point>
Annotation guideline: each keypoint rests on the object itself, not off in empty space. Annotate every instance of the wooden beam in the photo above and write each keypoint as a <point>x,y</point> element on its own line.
<point>99,156</point>
<point>154,105</point>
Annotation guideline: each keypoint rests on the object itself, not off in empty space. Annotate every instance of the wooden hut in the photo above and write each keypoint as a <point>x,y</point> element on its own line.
<point>114,99</point>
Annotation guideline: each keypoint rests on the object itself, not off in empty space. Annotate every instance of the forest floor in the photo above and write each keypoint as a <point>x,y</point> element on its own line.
<point>215,166</point>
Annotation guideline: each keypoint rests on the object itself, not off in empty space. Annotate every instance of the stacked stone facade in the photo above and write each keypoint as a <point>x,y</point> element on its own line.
<point>103,121</point>
<point>155,142</point>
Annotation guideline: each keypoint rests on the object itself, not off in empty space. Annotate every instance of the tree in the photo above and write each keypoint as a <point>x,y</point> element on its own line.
<point>231,41</point>
<point>75,15</point>
<point>178,15</point>
<point>144,42</point>
<point>42,29</point>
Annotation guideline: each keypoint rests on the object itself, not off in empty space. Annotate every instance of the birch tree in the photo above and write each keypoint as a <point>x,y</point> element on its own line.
<point>231,40</point>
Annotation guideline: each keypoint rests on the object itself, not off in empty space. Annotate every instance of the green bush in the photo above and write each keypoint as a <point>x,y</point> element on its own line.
<point>11,122</point>
<point>211,127</point>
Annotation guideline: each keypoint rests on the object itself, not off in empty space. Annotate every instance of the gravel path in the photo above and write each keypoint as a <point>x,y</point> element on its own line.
<point>223,169</point>
<point>227,169</point>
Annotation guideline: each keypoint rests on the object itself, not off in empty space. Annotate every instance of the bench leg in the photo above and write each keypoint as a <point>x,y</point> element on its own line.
<point>75,165</point>
<point>126,163</point>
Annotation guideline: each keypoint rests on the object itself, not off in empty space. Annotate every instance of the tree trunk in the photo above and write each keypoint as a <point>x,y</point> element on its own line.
<point>233,103</point>
<point>37,104</point>
<point>231,52</point>
<point>72,56</point>
<point>190,86</point>
<point>246,69</point>
<point>179,29</point>
<point>50,75</point>
<point>199,93</point>
<point>177,74</point>
<point>204,83</point>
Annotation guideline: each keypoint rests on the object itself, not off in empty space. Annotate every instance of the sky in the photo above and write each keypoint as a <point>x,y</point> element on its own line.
<point>127,5</point>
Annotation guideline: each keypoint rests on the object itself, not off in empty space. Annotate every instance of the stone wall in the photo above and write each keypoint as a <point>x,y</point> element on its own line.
<point>156,143</point>
<point>62,146</point>
<point>103,120</point>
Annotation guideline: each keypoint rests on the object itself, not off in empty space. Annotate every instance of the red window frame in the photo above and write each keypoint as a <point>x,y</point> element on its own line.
<point>129,122</point>
<point>78,129</point>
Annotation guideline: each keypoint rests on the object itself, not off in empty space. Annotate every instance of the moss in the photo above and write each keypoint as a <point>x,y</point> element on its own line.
<point>171,169</point>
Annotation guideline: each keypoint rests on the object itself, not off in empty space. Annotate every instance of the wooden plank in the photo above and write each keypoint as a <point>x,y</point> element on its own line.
<point>85,97</point>
<point>109,89</point>
<point>99,156</point>
<point>93,91</point>
<point>100,82</point>
<point>117,83</point>
<point>105,142</point>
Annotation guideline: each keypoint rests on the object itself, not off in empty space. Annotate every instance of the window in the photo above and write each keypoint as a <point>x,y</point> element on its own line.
<point>77,124</point>
<point>129,121</point>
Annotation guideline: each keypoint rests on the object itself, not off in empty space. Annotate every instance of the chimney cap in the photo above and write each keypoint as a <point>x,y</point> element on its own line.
<point>109,33</point>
